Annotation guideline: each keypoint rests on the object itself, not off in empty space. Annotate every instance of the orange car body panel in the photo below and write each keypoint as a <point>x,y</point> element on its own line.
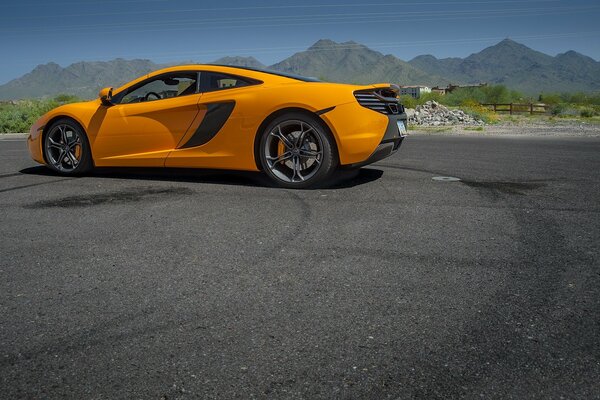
<point>150,134</point>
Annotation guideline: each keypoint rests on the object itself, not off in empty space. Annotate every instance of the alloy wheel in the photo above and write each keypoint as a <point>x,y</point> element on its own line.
<point>64,148</point>
<point>293,151</point>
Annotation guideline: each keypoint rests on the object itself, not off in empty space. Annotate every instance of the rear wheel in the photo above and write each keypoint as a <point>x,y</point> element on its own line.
<point>67,149</point>
<point>296,151</point>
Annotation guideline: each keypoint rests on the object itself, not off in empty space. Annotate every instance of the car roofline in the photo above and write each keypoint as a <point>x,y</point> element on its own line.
<point>197,67</point>
<point>270,72</point>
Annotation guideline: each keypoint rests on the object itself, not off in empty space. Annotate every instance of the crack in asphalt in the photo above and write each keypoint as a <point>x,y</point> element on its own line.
<point>34,184</point>
<point>10,175</point>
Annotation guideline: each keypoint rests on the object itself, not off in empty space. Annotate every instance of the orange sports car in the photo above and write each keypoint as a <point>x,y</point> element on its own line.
<point>297,130</point>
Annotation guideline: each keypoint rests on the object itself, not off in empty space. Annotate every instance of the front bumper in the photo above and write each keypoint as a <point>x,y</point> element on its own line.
<point>34,142</point>
<point>392,139</point>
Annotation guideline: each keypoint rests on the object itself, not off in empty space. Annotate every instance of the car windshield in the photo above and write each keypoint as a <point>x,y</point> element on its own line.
<point>161,87</point>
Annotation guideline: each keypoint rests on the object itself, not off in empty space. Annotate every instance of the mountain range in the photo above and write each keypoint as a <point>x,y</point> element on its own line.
<point>507,62</point>
<point>518,67</point>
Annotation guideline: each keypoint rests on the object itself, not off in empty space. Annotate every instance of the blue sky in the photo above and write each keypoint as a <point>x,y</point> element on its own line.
<point>35,32</point>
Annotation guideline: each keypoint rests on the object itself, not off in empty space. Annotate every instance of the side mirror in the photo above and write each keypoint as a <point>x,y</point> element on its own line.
<point>106,96</point>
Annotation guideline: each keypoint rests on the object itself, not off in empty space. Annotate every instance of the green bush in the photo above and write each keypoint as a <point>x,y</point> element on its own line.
<point>587,112</point>
<point>478,111</point>
<point>550,99</point>
<point>430,97</point>
<point>66,98</point>
<point>557,109</point>
<point>560,104</point>
<point>578,98</point>
<point>18,116</point>
<point>408,101</point>
<point>484,94</point>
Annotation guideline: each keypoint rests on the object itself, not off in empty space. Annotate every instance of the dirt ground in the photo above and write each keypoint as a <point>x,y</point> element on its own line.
<point>525,127</point>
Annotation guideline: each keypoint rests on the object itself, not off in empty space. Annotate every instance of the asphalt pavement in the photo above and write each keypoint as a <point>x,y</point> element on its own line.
<point>177,284</point>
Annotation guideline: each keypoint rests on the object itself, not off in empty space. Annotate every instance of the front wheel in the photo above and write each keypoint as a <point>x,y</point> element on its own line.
<point>296,151</point>
<point>66,148</point>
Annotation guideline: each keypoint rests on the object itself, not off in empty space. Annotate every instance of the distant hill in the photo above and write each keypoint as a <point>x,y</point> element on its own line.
<point>249,62</point>
<point>354,63</point>
<point>518,67</point>
<point>83,79</point>
<point>508,62</point>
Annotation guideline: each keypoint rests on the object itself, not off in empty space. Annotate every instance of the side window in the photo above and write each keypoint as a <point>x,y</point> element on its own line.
<point>161,87</point>
<point>211,81</point>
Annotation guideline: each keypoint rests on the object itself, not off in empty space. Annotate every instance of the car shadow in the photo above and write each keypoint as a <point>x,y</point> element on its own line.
<point>342,180</point>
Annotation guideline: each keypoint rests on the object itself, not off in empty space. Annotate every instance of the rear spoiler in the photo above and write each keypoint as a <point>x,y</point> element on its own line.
<point>395,88</point>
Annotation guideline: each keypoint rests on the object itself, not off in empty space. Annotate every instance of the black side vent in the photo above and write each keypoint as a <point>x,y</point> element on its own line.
<point>380,100</point>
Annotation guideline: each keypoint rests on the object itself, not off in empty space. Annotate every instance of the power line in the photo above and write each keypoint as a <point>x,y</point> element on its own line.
<point>311,19</point>
<point>281,7</point>
<point>372,45</point>
<point>79,3</point>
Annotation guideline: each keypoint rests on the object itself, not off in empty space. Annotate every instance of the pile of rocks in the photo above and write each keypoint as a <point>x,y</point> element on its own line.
<point>433,113</point>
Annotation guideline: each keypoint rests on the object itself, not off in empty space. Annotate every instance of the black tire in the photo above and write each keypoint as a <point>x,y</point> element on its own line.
<point>66,148</point>
<point>313,156</point>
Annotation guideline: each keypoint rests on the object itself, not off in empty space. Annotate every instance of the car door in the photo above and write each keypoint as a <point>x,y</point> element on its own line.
<point>146,121</point>
<point>220,136</point>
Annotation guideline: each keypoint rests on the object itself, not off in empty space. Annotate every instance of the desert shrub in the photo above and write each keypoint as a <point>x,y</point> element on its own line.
<point>587,112</point>
<point>550,99</point>
<point>463,95</point>
<point>569,111</point>
<point>411,102</point>
<point>66,98</point>
<point>557,109</point>
<point>496,94</point>
<point>425,97</point>
<point>577,98</point>
<point>484,94</point>
<point>18,116</point>
<point>478,111</point>
<point>408,101</point>
<point>582,98</point>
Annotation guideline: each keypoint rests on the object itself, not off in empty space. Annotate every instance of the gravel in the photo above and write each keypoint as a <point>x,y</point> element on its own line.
<point>433,117</point>
<point>433,113</point>
<point>526,128</point>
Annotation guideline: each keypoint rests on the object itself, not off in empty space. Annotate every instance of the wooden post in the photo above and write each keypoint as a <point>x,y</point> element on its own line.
<point>510,110</point>
<point>530,108</point>
<point>494,107</point>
